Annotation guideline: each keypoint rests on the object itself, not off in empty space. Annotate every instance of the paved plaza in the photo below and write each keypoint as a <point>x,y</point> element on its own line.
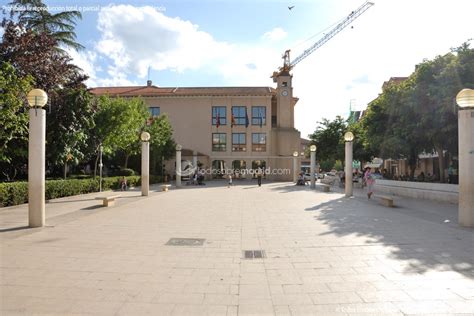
<point>324,254</point>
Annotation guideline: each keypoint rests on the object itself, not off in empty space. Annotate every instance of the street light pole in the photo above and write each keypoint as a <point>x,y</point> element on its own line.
<point>37,98</point>
<point>312,149</point>
<point>295,166</point>
<point>145,175</point>
<point>178,165</point>
<point>348,137</point>
<point>465,100</point>
<point>101,149</point>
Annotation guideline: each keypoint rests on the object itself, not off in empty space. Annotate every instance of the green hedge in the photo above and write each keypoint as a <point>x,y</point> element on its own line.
<point>14,193</point>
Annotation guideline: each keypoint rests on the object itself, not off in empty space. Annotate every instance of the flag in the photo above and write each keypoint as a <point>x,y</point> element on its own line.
<point>246,119</point>
<point>232,121</point>
<point>218,120</point>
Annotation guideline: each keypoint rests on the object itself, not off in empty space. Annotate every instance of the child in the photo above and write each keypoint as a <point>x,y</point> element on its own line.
<point>230,181</point>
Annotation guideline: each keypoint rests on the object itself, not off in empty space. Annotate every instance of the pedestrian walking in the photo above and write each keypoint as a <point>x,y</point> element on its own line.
<point>370,181</point>
<point>230,181</point>
<point>259,176</point>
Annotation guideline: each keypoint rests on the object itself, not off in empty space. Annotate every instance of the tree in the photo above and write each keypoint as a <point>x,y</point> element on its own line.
<point>13,119</point>
<point>33,15</point>
<point>118,123</point>
<point>392,126</point>
<point>162,145</point>
<point>68,127</point>
<point>35,54</point>
<point>328,137</point>
<point>437,83</point>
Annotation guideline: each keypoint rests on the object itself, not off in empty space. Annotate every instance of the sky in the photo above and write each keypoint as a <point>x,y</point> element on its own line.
<point>240,43</point>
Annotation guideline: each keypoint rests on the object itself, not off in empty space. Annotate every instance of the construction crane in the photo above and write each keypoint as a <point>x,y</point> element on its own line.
<point>288,65</point>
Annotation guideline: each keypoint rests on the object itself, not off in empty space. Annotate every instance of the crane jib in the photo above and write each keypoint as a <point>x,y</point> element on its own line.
<point>287,65</point>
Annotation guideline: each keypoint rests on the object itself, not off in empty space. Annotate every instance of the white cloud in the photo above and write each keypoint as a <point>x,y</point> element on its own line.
<point>138,37</point>
<point>1,31</point>
<point>276,34</point>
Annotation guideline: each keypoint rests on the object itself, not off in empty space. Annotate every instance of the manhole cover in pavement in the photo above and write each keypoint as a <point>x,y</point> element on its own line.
<point>185,242</point>
<point>253,254</point>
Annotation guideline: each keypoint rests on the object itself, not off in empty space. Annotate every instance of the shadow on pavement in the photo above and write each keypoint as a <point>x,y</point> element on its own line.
<point>417,235</point>
<point>12,229</point>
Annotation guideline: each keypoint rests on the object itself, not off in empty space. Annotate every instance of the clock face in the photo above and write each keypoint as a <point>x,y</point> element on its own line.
<point>284,93</point>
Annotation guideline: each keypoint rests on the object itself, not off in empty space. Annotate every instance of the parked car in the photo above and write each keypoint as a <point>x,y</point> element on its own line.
<point>307,176</point>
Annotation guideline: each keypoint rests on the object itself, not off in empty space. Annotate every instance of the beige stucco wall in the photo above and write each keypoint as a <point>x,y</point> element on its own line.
<point>191,119</point>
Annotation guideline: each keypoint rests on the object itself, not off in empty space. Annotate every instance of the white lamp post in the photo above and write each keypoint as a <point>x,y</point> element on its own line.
<point>348,137</point>
<point>101,165</point>
<point>295,166</point>
<point>37,98</point>
<point>465,100</point>
<point>145,176</point>
<point>312,149</point>
<point>178,165</point>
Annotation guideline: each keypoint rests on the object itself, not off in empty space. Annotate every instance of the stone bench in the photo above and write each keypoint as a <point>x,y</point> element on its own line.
<point>165,187</point>
<point>107,200</point>
<point>325,187</point>
<point>386,200</point>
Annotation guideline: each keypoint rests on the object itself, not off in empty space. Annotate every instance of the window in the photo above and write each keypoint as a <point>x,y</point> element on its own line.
<point>154,111</point>
<point>259,115</point>
<point>221,110</point>
<point>238,142</point>
<point>239,113</point>
<point>259,142</point>
<point>218,142</point>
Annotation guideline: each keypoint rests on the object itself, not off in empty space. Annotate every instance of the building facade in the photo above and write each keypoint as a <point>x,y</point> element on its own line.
<point>226,127</point>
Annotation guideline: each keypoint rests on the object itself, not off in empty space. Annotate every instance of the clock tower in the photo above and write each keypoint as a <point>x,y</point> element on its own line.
<point>285,138</point>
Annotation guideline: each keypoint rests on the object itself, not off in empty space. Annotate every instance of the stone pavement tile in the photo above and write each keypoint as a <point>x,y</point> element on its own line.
<point>132,308</point>
<point>461,306</point>
<point>384,296</point>
<point>291,299</point>
<point>254,291</point>
<point>335,298</point>
<point>372,308</point>
<point>350,286</point>
<point>195,310</point>
<point>282,310</point>
<point>323,310</point>
<point>232,311</point>
<point>221,299</point>
<point>207,288</point>
<point>465,293</point>
<point>95,307</point>
<point>322,279</point>
<point>264,309</point>
<point>253,278</point>
<point>363,277</point>
<point>432,294</point>
<point>177,298</point>
<point>424,307</point>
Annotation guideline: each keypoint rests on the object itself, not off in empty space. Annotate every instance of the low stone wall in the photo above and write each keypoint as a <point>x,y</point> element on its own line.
<point>420,190</point>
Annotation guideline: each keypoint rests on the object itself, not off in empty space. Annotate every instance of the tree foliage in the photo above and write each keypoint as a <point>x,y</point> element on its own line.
<point>328,138</point>
<point>13,120</point>
<point>34,15</point>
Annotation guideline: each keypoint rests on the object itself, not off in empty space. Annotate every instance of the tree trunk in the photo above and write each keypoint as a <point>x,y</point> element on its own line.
<point>441,164</point>
<point>95,165</point>
<point>127,155</point>
<point>412,164</point>
<point>65,170</point>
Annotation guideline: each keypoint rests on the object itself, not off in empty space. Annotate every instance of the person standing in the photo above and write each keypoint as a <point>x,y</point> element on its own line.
<point>370,181</point>
<point>230,180</point>
<point>259,176</point>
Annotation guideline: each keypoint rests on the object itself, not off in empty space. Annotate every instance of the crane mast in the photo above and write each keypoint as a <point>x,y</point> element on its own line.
<point>288,64</point>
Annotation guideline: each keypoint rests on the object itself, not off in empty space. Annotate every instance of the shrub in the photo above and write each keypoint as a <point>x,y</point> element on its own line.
<point>126,172</point>
<point>14,193</point>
